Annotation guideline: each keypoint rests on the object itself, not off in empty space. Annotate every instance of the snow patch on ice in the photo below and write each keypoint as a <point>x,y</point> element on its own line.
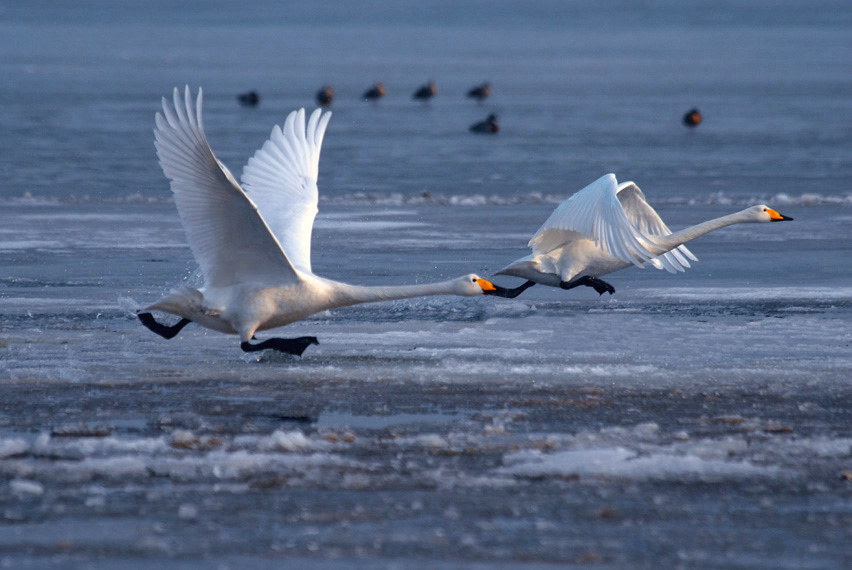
<point>46,445</point>
<point>623,463</point>
<point>232,465</point>
<point>822,447</point>
<point>12,447</point>
<point>427,440</point>
<point>188,512</point>
<point>280,440</point>
<point>26,487</point>
<point>288,441</point>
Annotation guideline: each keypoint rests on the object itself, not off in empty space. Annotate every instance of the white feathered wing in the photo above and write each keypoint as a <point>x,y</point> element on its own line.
<point>281,178</point>
<point>228,237</point>
<point>619,221</point>
<point>647,221</point>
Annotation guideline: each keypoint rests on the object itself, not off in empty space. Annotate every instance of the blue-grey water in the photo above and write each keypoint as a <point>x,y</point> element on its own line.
<point>697,420</point>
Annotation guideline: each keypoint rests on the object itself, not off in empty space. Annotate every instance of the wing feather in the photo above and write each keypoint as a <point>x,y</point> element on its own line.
<point>596,214</point>
<point>228,237</point>
<point>646,220</point>
<point>281,178</point>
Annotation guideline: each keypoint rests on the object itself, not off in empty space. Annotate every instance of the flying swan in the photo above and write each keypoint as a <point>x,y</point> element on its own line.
<point>253,242</point>
<point>608,226</point>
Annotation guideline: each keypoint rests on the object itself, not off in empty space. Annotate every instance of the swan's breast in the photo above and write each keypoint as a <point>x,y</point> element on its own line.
<point>278,306</point>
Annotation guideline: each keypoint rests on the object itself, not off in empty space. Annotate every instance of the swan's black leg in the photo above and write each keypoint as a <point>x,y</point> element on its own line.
<point>162,330</point>
<point>294,346</point>
<point>598,285</point>
<point>510,293</point>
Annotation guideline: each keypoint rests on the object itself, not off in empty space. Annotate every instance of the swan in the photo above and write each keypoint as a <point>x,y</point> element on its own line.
<point>253,242</point>
<point>608,226</point>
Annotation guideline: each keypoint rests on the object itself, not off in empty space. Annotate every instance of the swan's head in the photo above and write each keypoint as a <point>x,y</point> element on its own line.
<point>473,284</point>
<point>763,213</point>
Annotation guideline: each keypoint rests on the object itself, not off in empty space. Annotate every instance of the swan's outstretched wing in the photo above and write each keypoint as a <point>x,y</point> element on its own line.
<point>281,178</point>
<point>595,213</point>
<point>647,221</point>
<point>228,237</point>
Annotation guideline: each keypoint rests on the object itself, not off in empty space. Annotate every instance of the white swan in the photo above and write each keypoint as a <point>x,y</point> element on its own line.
<point>608,226</point>
<point>253,242</point>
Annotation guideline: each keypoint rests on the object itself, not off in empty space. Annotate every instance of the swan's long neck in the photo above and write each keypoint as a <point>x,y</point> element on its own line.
<point>346,294</point>
<point>671,241</point>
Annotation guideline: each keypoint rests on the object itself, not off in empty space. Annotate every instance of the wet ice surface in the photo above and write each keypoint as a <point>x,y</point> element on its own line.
<point>261,471</point>
<point>698,420</point>
<point>694,420</point>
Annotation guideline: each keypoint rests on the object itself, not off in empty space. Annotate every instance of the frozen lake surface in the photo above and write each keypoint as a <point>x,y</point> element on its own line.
<point>697,420</point>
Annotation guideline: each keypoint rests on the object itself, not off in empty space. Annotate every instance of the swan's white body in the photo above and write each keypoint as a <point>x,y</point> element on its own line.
<point>608,226</point>
<point>253,242</point>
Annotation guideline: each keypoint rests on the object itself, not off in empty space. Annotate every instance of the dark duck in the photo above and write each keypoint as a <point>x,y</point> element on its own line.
<point>487,127</point>
<point>480,92</point>
<point>692,118</point>
<point>250,99</point>
<point>374,93</point>
<point>426,92</point>
<point>325,96</point>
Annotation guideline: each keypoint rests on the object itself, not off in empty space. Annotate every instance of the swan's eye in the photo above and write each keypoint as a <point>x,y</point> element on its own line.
<point>473,280</point>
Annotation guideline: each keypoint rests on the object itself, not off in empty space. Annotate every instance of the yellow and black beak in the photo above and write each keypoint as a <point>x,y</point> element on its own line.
<point>776,217</point>
<point>488,288</point>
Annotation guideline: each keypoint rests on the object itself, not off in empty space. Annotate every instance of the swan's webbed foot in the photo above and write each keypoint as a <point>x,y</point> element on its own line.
<point>598,285</point>
<point>164,331</point>
<point>510,293</point>
<point>295,346</point>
